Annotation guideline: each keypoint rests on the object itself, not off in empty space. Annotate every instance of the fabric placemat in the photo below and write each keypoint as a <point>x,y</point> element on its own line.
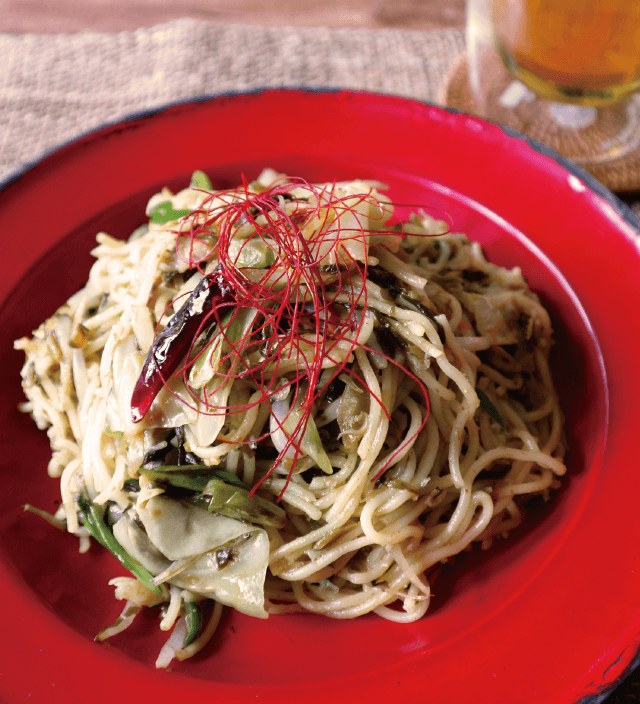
<point>54,87</point>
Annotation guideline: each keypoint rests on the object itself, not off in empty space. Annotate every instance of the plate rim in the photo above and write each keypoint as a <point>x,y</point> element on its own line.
<point>591,182</point>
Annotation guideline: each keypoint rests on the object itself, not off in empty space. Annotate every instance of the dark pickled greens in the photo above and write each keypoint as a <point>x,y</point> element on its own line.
<point>487,405</point>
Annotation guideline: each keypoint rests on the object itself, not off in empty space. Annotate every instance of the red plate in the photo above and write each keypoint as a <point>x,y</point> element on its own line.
<point>552,614</point>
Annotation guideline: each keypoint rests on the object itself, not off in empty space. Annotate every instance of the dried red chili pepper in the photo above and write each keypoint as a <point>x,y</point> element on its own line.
<point>172,344</point>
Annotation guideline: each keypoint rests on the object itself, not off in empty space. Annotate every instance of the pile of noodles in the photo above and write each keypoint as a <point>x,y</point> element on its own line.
<point>419,421</point>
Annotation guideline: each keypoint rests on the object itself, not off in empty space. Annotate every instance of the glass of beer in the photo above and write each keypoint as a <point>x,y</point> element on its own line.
<point>565,72</point>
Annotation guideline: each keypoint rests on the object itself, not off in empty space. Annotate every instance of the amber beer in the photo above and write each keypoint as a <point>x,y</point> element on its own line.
<point>585,52</point>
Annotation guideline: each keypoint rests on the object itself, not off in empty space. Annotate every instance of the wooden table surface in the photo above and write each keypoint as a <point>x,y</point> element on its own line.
<point>48,16</point>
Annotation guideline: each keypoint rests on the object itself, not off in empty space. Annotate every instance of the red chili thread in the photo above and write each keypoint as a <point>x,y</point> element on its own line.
<point>291,296</point>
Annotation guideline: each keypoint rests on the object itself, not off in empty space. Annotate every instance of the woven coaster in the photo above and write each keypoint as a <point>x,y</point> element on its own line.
<point>620,175</point>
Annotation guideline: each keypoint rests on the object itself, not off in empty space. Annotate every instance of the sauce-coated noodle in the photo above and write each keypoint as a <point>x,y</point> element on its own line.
<point>354,402</point>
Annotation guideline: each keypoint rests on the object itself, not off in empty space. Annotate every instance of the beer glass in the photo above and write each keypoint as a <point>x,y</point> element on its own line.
<point>565,72</point>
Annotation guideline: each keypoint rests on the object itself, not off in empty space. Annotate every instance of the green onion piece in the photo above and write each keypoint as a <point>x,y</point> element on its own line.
<point>193,617</point>
<point>193,477</point>
<point>113,433</point>
<point>310,443</point>
<point>164,212</point>
<point>252,254</point>
<point>487,405</point>
<point>99,530</point>
<point>234,502</point>
<point>200,180</point>
<point>217,490</point>
<point>208,360</point>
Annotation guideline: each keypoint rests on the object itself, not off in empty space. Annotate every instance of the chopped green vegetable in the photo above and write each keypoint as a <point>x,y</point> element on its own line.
<point>193,477</point>
<point>218,491</point>
<point>132,485</point>
<point>193,618</point>
<point>310,443</point>
<point>113,433</point>
<point>234,502</point>
<point>93,521</point>
<point>252,254</point>
<point>200,180</point>
<point>236,325</point>
<point>487,405</point>
<point>164,212</point>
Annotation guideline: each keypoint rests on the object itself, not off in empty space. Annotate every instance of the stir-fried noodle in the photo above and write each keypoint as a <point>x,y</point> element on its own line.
<point>279,399</point>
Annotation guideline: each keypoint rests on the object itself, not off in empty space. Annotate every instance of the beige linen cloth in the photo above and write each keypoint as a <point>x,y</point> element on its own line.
<point>55,87</point>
